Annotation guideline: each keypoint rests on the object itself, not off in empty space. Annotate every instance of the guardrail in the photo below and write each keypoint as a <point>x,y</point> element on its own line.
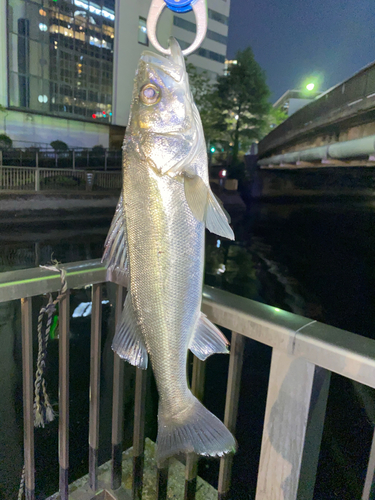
<point>107,159</point>
<point>355,93</point>
<point>47,179</point>
<point>304,353</point>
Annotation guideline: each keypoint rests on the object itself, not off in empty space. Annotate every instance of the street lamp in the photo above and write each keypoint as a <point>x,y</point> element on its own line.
<point>310,86</point>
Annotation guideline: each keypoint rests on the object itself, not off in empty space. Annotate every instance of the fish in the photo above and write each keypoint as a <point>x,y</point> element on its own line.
<point>156,243</point>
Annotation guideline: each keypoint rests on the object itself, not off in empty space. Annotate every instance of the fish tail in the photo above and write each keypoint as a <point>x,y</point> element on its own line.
<point>193,430</point>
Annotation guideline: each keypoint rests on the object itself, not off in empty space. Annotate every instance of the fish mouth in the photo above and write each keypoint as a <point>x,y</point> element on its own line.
<point>173,65</point>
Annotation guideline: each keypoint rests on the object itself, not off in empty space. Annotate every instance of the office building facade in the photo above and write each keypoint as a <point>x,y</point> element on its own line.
<point>67,66</point>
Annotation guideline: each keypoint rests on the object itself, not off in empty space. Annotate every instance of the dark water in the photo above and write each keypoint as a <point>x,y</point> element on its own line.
<point>314,259</point>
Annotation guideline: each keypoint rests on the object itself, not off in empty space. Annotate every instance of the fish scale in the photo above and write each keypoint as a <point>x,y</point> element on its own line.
<point>156,241</point>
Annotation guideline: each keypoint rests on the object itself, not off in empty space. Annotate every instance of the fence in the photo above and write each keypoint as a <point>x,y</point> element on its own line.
<point>358,89</point>
<point>304,353</point>
<point>45,179</point>
<point>106,159</point>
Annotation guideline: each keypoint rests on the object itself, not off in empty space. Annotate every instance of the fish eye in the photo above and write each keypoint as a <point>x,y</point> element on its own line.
<point>150,94</point>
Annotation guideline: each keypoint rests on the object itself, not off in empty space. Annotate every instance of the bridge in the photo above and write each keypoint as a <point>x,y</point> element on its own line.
<point>335,129</point>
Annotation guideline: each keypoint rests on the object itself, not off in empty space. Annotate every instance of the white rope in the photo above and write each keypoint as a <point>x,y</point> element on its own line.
<point>43,411</point>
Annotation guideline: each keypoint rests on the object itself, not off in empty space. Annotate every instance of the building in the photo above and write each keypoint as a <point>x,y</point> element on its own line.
<point>293,100</point>
<point>68,65</point>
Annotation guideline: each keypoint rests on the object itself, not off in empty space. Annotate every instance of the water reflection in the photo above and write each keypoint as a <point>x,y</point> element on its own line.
<point>314,260</point>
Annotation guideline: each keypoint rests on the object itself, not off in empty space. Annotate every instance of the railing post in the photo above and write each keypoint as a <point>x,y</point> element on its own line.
<point>369,487</point>
<point>95,355</point>
<point>118,402</point>
<point>139,432</point>
<point>64,396</point>
<point>162,481</point>
<point>28,397</point>
<point>36,159</point>
<point>191,469</point>
<point>288,404</point>
<point>37,179</point>
<point>314,433</point>
<point>231,408</point>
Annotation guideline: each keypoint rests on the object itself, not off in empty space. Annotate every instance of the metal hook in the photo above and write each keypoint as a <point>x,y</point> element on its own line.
<point>157,7</point>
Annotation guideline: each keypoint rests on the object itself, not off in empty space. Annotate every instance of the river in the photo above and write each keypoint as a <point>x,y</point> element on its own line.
<point>314,259</point>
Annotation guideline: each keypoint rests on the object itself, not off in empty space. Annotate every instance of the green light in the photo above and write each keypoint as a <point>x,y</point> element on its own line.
<point>213,149</point>
<point>310,86</point>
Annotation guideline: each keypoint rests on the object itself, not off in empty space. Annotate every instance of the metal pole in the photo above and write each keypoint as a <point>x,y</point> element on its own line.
<point>56,159</point>
<point>28,397</point>
<point>74,159</point>
<point>105,160</point>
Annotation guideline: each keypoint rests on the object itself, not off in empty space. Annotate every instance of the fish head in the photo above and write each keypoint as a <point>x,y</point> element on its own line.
<point>164,121</point>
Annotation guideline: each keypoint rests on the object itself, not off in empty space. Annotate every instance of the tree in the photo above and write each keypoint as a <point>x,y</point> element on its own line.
<point>5,142</point>
<point>59,145</point>
<point>242,97</point>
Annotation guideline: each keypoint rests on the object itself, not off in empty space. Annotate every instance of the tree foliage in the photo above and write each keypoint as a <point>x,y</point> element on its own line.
<point>235,110</point>
<point>5,142</point>
<point>243,98</point>
<point>59,145</point>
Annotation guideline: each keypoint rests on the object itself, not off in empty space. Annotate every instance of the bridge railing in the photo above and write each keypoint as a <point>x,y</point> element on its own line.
<point>304,353</point>
<point>358,89</point>
<point>52,179</point>
<point>102,158</point>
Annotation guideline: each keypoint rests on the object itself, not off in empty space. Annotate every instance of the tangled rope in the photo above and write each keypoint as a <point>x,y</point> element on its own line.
<point>43,411</point>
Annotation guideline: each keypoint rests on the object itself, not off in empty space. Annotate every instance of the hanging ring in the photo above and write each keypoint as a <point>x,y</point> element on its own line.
<point>200,11</point>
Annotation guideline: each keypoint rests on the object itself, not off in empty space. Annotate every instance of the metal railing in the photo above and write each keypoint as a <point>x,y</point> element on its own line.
<point>304,353</point>
<point>105,159</point>
<point>47,179</point>
<point>359,90</point>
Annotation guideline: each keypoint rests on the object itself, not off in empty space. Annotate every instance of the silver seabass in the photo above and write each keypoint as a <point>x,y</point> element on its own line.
<point>157,240</point>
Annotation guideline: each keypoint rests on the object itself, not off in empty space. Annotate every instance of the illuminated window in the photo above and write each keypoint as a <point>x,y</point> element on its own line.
<point>142,31</point>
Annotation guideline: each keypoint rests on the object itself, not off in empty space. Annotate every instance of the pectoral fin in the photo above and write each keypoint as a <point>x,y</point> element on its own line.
<point>128,342</point>
<point>207,339</point>
<point>196,193</point>
<point>216,220</point>
<point>205,207</point>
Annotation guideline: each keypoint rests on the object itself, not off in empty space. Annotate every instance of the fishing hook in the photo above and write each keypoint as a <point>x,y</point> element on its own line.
<point>200,10</point>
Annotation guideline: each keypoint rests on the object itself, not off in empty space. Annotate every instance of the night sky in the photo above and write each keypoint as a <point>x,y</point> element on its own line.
<point>293,39</point>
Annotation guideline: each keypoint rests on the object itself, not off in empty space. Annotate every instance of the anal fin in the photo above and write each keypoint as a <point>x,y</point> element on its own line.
<point>128,342</point>
<point>207,339</point>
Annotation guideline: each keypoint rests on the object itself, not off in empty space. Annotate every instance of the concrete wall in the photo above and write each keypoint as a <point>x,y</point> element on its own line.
<point>28,129</point>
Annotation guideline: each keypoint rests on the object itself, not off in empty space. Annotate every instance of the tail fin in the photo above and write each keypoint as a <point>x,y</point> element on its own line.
<point>194,429</point>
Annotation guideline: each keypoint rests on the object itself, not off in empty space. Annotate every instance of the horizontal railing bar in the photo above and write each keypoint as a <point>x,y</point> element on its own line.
<point>62,170</point>
<point>342,352</point>
<point>38,281</point>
